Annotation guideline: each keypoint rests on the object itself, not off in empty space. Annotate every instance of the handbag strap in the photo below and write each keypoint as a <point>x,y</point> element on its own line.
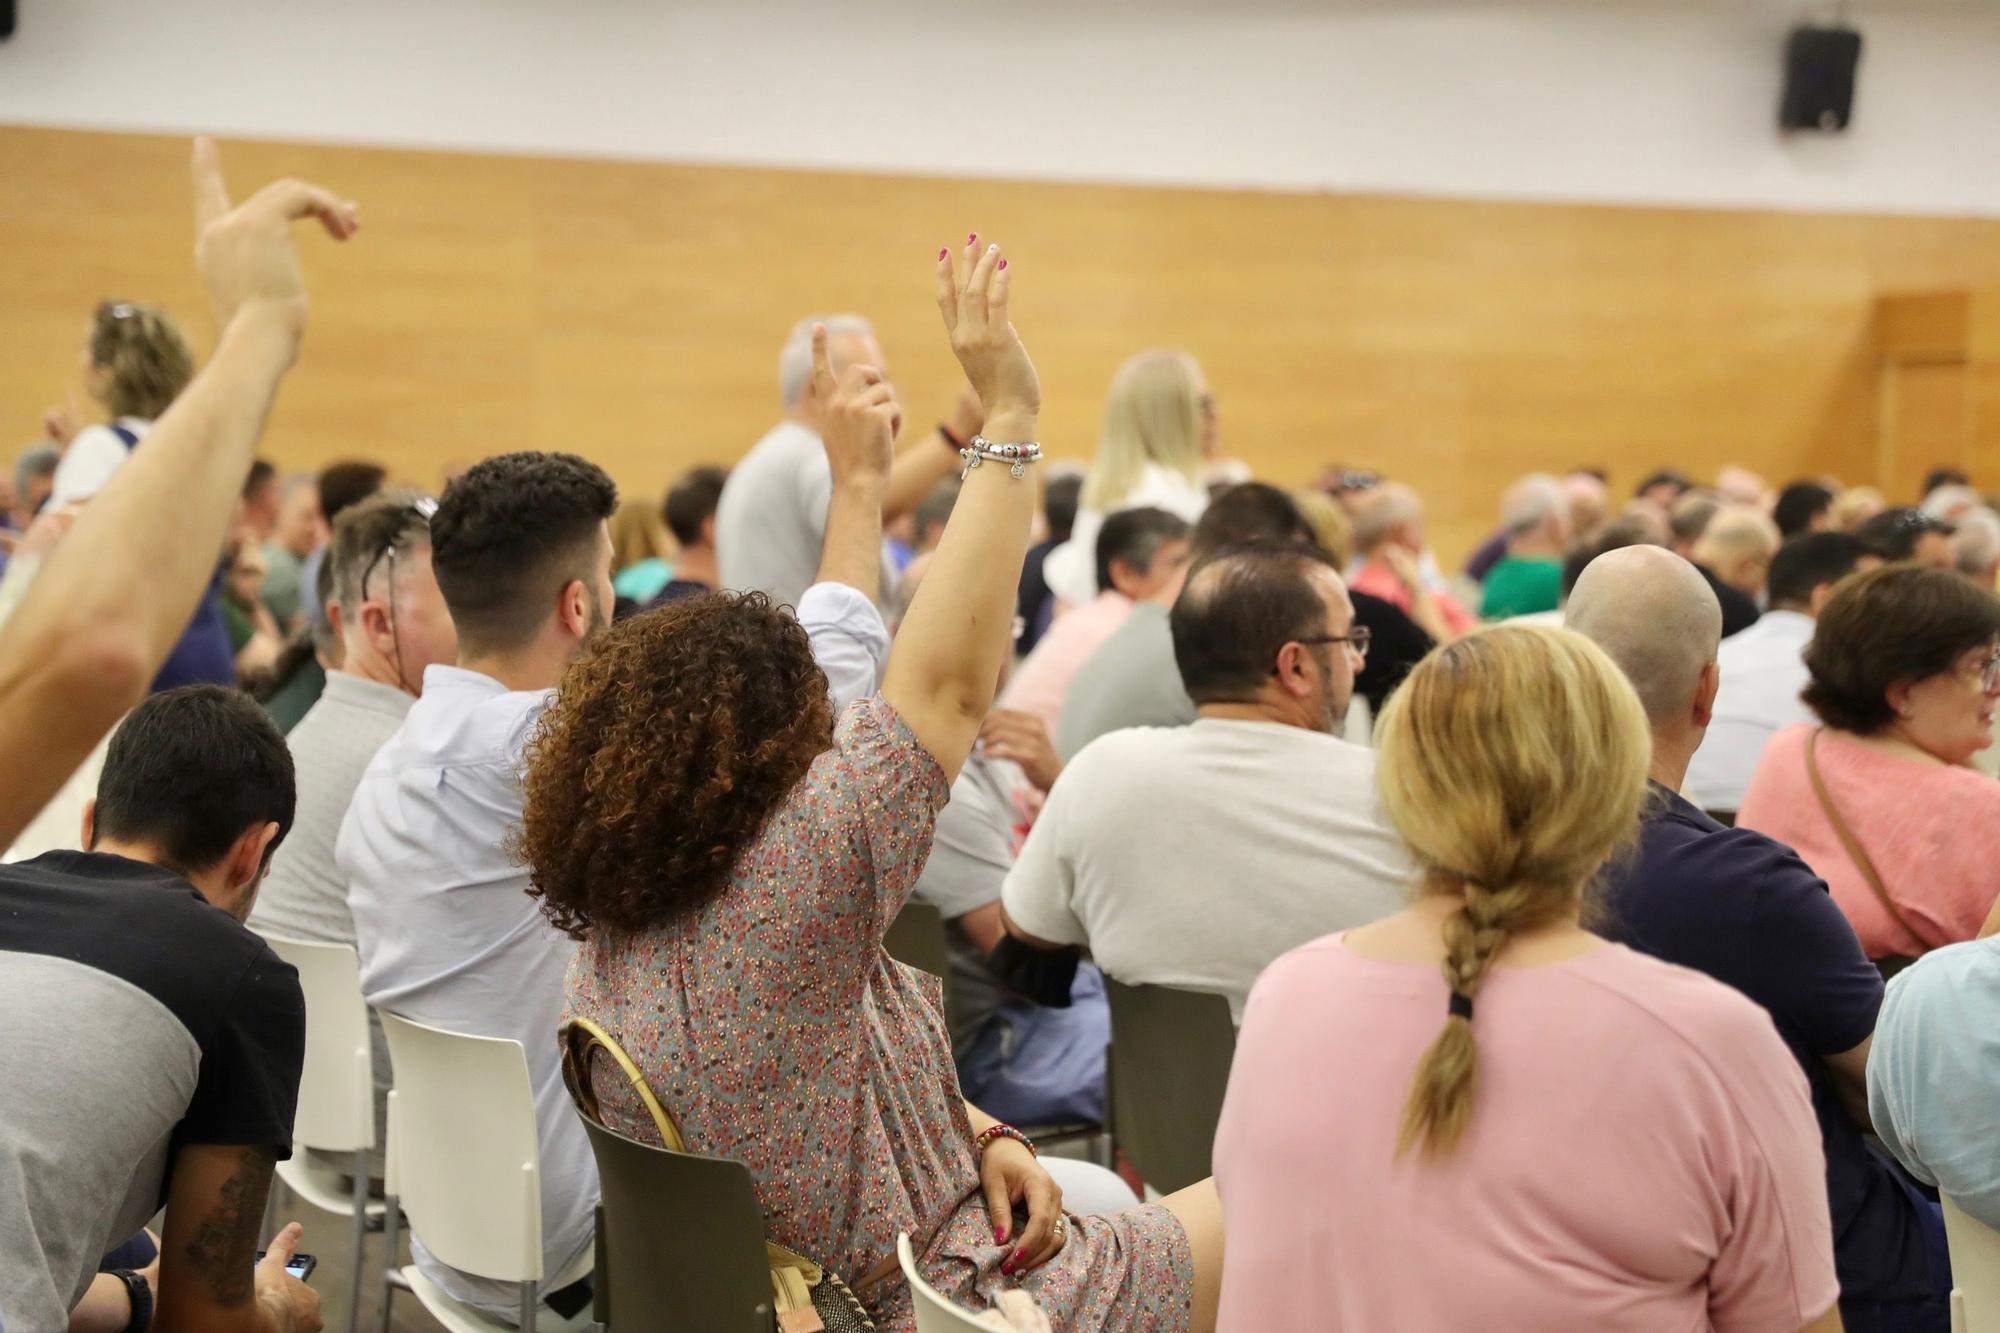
<point>1855,851</point>
<point>582,1037</point>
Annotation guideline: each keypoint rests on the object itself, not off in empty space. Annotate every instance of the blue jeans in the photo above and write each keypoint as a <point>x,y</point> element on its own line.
<point>1925,1314</point>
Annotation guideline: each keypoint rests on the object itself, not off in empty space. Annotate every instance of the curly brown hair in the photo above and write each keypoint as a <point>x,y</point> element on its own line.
<point>664,750</point>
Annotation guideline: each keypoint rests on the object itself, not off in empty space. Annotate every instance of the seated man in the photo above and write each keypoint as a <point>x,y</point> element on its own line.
<point>690,515</point>
<point>151,1044</point>
<point>1193,856</point>
<point>1910,535</point>
<point>1764,670</point>
<point>1734,555</point>
<point>1748,912</point>
<point>446,929</point>
<point>394,627</point>
<point>1528,581</point>
<point>1131,680</point>
<point>1389,537</point>
<point>1142,556</point>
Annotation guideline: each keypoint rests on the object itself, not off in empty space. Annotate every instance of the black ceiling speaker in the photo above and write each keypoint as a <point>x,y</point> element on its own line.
<point>6,19</point>
<point>1819,78</point>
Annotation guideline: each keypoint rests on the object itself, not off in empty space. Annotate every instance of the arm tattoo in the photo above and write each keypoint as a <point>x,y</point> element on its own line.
<point>223,1248</point>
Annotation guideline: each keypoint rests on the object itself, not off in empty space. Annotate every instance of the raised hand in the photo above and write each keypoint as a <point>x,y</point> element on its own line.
<point>245,252</point>
<point>1023,738</point>
<point>859,416</point>
<point>972,294</point>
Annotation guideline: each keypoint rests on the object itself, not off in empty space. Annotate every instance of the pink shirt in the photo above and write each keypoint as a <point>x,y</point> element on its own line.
<point>1927,827</point>
<point>1040,682</point>
<point>1378,580</point>
<point>1642,1156</point>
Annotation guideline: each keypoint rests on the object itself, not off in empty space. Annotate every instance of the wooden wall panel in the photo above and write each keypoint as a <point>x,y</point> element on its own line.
<point>633,311</point>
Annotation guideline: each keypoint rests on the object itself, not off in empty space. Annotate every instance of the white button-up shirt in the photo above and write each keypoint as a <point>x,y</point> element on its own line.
<point>442,920</point>
<point>1763,671</point>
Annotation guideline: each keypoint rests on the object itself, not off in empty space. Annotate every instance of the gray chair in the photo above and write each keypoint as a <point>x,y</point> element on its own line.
<point>1167,1070</point>
<point>680,1241</point>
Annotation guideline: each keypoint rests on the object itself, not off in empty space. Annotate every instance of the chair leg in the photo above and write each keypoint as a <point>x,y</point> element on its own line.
<point>360,1240</point>
<point>389,1224</point>
<point>528,1302</point>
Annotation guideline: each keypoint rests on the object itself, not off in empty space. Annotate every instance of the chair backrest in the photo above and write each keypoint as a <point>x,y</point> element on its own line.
<point>917,937</point>
<point>1167,1071</point>
<point>680,1240</point>
<point>935,1314</point>
<point>464,1161</point>
<point>1975,1268</point>
<point>337,1090</point>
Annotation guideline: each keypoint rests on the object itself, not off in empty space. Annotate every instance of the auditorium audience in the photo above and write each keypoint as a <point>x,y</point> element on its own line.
<point>1664,489</point>
<point>135,362</point>
<point>771,521</point>
<point>1802,507</point>
<point>257,516</point>
<point>1389,537</point>
<point>1593,1138</point>
<point>1764,668</point>
<point>1142,558</point>
<point>1534,514</point>
<point>1689,517</point>
<point>1909,535</point>
<point>1159,427</point>
<point>1880,798</point>
<point>34,481</point>
<point>295,681</point>
<point>301,529</point>
<point>1036,605</point>
<point>254,636</point>
<point>690,516</point>
<point>340,485</point>
<point>1332,529</point>
<point>1734,553</point>
<point>734,948</point>
<point>1975,546</point>
<point>136,947</point>
<point>1747,911</point>
<point>1951,501</point>
<point>1192,856</point>
<point>640,551</point>
<point>1855,506</point>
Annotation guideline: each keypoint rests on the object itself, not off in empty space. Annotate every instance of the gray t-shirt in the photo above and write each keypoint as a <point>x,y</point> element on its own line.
<point>770,525</point>
<point>1131,680</point>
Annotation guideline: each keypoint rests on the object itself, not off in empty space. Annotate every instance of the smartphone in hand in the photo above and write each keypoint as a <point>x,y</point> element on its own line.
<point>301,1266</point>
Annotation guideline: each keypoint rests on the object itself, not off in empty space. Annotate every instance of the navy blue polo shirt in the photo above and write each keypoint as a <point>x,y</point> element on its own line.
<point>1747,911</point>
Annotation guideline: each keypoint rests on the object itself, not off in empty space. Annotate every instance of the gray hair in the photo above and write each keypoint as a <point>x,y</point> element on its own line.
<point>1975,546</point>
<point>37,460</point>
<point>1380,512</point>
<point>795,361</point>
<point>1655,616</point>
<point>392,520</point>
<point>1531,502</point>
<point>1948,502</point>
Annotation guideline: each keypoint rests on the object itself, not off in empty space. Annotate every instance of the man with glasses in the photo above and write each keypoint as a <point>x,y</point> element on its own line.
<point>1193,856</point>
<point>393,623</point>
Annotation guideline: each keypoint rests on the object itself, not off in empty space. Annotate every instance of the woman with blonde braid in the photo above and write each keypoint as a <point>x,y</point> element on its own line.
<point>135,362</point>
<point>1476,1114</point>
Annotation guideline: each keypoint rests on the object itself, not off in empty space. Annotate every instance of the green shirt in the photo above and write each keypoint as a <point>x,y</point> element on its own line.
<point>1521,586</point>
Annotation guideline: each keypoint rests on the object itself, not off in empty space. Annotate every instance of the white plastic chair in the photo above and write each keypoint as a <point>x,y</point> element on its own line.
<point>465,1165</point>
<point>935,1314</point>
<point>1975,1271</point>
<point>336,1109</point>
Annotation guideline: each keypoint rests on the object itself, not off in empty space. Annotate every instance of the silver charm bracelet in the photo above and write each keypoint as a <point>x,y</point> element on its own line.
<point>1017,456</point>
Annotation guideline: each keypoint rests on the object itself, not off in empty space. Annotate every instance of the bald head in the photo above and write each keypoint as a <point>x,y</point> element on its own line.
<point>1656,617</point>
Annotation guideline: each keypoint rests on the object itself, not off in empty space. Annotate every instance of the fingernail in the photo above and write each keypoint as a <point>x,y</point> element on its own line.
<point>999,1235</point>
<point>972,238</point>
<point>1003,263</point>
<point>993,249</point>
<point>943,252</point>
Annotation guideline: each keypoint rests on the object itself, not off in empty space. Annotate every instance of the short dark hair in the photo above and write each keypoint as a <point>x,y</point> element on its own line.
<point>1798,505</point>
<point>509,534</point>
<point>1241,605</point>
<point>262,474</point>
<point>1893,534</point>
<point>344,484</point>
<point>692,501</point>
<point>1693,511</point>
<point>1897,623</point>
<point>1666,476</point>
<point>1135,536</point>
<point>1809,560</point>
<point>1945,476</point>
<point>1252,511</point>
<point>1059,502</point>
<point>189,770</point>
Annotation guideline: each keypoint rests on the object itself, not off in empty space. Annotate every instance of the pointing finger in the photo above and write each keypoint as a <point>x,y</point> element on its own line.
<point>824,384</point>
<point>211,196</point>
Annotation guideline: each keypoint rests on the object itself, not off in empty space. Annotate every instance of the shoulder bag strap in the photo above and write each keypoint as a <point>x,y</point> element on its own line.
<point>580,1038</point>
<point>1855,852</point>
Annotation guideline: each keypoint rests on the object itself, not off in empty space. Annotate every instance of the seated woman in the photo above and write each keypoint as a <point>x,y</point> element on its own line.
<point>1881,801</point>
<point>1612,1143</point>
<point>731,859</point>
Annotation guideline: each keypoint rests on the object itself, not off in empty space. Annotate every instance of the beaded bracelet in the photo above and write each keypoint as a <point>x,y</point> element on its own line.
<point>992,1132</point>
<point>1018,456</point>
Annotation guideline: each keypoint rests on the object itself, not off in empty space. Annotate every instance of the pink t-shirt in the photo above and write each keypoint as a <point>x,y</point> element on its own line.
<point>1642,1156</point>
<point>1040,682</point>
<point>1378,580</point>
<point>1928,829</point>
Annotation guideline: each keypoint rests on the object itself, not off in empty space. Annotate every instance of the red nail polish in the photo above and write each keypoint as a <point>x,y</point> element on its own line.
<point>999,1235</point>
<point>942,253</point>
<point>972,238</point>
<point>1003,263</point>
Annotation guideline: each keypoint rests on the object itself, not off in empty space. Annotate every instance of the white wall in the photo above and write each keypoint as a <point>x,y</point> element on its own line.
<point>1604,100</point>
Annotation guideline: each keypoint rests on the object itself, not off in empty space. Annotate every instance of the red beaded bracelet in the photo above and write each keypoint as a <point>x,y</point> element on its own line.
<point>992,1132</point>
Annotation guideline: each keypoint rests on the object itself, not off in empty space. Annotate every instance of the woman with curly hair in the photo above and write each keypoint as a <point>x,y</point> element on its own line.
<point>730,856</point>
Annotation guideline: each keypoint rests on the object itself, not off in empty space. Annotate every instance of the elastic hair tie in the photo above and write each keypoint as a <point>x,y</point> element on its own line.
<point>1461,1005</point>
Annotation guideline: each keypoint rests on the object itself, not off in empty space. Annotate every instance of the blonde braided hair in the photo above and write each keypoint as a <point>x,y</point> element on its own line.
<point>145,357</point>
<point>1513,763</point>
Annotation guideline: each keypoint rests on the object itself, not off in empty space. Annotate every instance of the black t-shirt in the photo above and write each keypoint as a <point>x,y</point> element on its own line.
<point>1747,911</point>
<point>135,1019</point>
<point>1739,608</point>
<point>1397,644</point>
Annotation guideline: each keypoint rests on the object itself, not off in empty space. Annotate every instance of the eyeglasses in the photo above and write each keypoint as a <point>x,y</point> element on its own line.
<point>418,512</point>
<point>1358,639</point>
<point>1989,673</point>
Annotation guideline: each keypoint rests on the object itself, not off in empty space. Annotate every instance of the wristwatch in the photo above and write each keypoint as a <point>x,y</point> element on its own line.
<point>141,1293</point>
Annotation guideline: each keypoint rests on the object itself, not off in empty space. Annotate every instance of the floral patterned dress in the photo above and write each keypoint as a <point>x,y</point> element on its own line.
<point>778,1033</point>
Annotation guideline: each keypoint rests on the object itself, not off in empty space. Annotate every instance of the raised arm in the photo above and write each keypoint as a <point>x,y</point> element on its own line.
<point>945,666</point>
<point>115,596</point>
